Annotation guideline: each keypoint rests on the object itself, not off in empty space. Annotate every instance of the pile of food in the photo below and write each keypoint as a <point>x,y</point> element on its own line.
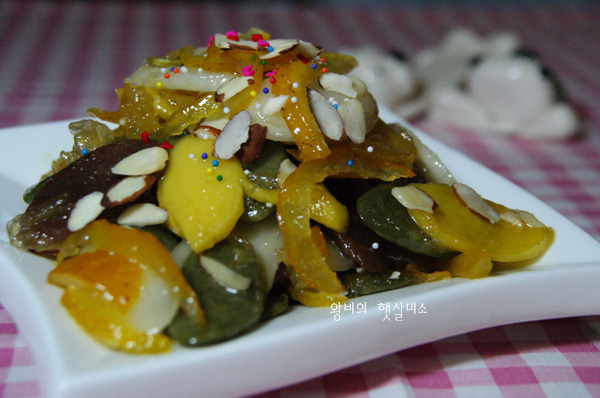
<point>242,178</point>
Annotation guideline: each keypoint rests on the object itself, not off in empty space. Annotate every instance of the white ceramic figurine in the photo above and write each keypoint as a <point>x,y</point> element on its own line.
<point>488,85</point>
<point>491,86</point>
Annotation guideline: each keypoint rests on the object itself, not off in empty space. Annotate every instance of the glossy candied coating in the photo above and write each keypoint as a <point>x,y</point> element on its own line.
<point>471,264</point>
<point>138,246</point>
<point>106,272</point>
<point>102,291</point>
<point>136,112</point>
<point>44,224</point>
<point>456,227</point>
<point>293,79</point>
<point>203,195</point>
<point>304,255</point>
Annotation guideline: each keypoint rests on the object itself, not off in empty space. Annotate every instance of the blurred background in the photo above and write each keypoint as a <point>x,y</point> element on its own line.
<point>85,49</point>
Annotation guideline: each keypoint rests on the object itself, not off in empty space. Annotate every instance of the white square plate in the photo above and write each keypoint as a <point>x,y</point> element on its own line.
<point>302,344</point>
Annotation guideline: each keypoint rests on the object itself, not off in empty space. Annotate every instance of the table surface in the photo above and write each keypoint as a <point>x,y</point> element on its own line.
<point>58,60</point>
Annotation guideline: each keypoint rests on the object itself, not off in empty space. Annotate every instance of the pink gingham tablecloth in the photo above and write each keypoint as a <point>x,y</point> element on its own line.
<point>58,59</point>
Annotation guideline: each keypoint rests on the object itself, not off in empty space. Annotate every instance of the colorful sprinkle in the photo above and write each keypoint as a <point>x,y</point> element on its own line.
<point>158,84</point>
<point>209,170</point>
<point>294,100</point>
<point>324,70</point>
<point>262,43</point>
<point>270,48</point>
<point>322,59</point>
<point>167,75</point>
<point>84,152</point>
<point>226,110</point>
<point>266,90</point>
<point>253,93</point>
<point>369,149</point>
<point>263,62</point>
<point>145,136</point>
<point>314,66</point>
<point>248,70</point>
<point>256,37</point>
<point>204,156</point>
<point>210,40</point>
<point>232,35</point>
<point>191,156</point>
<point>350,163</point>
<point>272,80</point>
<point>335,105</point>
<point>375,245</point>
<point>184,69</point>
<point>166,145</point>
<point>302,58</point>
<point>215,163</point>
<point>219,177</point>
<point>271,73</point>
<point>295,85</point>
<point>175,70</point>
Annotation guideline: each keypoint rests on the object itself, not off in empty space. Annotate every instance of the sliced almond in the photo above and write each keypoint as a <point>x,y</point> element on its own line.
<point>338,84</point>
<point>286,168</point>
<point>512,217</point>
<point>475,203</point>
<point>233,135</point>
<point>394,275</point>
<point>224,275</point>
<point>428,162</point>
<point>274,105</point>
<point>209,131</point>
<point>142,214</point>
<point>352,113</point>
<point>86,210</point>
<point>327,117</point>
<point>414,198</point>
<point>249,150</point>
<point>224,43</point>
<point>232,87</point>
<point>127,190</point>
<point>359,86</point>
<point>280,46</point>
<point>309,50</point>
<point>531,220</point>
<point>146,161</point>
<point>243,45</point>
<point>221,41</point>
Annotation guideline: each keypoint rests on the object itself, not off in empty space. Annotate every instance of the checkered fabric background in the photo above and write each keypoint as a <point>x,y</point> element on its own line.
<point>58,59</point>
